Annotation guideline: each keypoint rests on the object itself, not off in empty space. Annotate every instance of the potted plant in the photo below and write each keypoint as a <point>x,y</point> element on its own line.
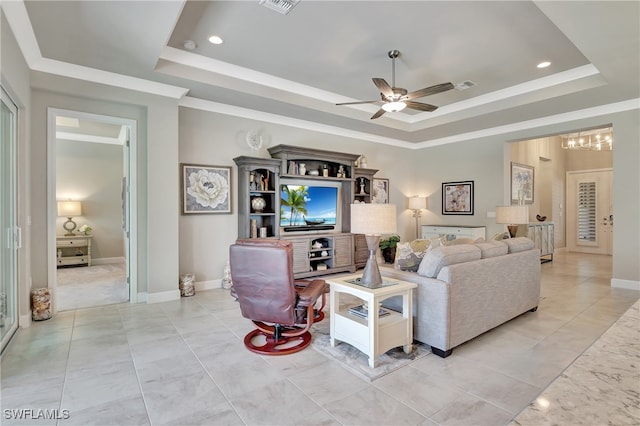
<point>388,248</point>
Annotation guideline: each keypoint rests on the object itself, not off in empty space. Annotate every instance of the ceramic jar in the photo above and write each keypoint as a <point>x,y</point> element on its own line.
<point>258,204</point>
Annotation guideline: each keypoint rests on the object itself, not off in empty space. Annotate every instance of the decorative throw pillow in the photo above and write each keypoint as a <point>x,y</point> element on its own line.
<point>439,257</point>
<point>458,241</point>
<point>500,236</point>
<point>409,255</point>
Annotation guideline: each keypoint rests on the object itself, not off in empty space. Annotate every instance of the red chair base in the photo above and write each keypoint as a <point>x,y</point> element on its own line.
<point>283,346</point>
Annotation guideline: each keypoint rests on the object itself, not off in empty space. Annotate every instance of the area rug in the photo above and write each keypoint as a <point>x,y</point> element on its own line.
<point>357,362</point>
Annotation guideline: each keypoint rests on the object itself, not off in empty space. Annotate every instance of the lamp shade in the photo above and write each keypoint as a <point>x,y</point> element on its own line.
<point>515,215</point>
<point>373,219</point>
<point>417,203</point>
<point>69,208</point>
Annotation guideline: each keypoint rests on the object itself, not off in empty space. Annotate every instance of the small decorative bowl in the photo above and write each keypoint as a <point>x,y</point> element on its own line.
<point>314,173</point>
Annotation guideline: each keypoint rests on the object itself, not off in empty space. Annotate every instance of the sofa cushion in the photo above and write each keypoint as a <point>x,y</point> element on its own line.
<point>410,254</point>
<point>492,249</point>
<point>437,257</point>
<point>518,244</point>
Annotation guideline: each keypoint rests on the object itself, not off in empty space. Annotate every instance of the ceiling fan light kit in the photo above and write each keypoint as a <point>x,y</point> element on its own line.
<point>396,99</point>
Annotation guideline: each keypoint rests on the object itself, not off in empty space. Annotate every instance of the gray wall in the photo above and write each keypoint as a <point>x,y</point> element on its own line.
<point>92,173</point>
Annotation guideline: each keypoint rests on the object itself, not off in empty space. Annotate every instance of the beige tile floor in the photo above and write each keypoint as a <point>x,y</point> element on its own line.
<point>183,362</point>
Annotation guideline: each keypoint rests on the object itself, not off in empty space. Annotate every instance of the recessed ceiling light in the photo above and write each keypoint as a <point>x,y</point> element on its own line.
<point>215,39</point>
<point>544,64</point>
<point>189,44</point>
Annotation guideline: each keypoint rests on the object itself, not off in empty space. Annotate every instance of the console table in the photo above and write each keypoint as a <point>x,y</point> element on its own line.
<point>451,232</point>
<point>373,335</point>
<point>73,250</point>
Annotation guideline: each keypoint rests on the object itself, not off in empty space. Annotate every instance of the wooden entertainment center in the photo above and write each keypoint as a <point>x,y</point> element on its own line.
<point>318,249</point>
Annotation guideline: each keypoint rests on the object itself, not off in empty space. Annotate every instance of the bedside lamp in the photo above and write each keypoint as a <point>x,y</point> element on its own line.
<point>512,216</point>
<point>416,204</point>
<point>69,209</point>
<point>372,220</point>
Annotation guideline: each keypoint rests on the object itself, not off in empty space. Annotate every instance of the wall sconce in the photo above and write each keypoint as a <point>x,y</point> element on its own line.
<point>69,209</point>
<point>417,204</point>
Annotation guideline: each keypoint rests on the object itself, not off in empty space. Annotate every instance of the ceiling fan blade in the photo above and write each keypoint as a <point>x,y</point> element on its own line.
<point>378,114</point>
<point>420,106</point>
<point>438,88</point>
<point>383,86</point>
<point>358,102</point>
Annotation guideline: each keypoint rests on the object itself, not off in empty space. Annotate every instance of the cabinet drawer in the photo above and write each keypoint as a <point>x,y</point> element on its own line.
<point>72,242</point>
<point>72,260</point>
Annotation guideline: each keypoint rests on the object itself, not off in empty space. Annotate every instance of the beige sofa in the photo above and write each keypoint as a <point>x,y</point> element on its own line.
<point>470,289</point>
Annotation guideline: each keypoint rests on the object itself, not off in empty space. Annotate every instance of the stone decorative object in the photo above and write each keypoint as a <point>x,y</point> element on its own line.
<point>258,204</point>
<point>40,304</point>
<point>187,287</point>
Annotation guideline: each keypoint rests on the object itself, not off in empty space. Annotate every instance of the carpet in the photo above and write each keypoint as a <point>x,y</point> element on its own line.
<point>357,362</point>
<point>90,286</point>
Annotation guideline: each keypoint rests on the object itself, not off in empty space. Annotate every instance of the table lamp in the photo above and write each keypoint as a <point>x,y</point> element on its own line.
<point>372,220</point>
<point>69,209</point>
<point>512,216</point>
<point>417,204</point>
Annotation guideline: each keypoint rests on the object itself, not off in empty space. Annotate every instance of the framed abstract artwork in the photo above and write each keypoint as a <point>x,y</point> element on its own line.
<point>457,197</point>
<point>380,192</point>
<point>205,189</point>
<point>522,181</point>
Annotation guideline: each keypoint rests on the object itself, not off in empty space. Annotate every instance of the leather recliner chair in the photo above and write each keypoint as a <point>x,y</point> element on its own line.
<point>281,307</point>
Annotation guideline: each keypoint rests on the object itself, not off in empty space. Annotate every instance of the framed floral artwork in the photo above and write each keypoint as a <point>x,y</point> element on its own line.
<point>205,189</point>
<point>521,183</point>
<point>457,197</point>
<point>380,192</point>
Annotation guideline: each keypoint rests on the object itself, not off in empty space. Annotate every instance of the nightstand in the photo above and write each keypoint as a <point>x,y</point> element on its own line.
<point>73,250</point>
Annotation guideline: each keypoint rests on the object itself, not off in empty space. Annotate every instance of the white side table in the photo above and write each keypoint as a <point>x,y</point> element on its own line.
<point>373,335</point>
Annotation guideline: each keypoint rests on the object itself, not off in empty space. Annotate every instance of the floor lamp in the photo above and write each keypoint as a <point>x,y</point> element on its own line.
<point>417,204</point>
<point>372,220</point>
<point>512,216</point>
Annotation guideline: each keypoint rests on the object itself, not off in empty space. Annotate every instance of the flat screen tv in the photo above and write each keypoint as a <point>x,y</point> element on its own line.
<point>309,207</point>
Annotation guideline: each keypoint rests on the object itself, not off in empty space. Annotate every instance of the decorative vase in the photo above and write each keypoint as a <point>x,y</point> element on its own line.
<point>302,168</point>
<point>258,204</point>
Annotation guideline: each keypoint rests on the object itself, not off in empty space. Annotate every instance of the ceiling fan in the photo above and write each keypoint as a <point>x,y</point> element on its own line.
<point>396,98</point>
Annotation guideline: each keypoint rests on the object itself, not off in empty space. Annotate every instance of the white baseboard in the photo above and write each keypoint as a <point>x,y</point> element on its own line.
<point>24,321</point>
<point>107,260</point>
<point>142,297</point>
<point>628,284</point>
<point>208,285</point>
<point>164,296</point>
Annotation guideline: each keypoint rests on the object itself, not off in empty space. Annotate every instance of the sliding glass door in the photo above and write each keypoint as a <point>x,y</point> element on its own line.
<point>9,230</point>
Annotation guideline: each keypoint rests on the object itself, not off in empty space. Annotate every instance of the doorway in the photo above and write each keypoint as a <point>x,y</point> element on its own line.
<point>91,162</point>
<point>590,211</point>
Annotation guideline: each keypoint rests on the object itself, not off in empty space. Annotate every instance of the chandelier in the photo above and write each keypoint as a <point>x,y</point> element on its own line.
<point>589,140</point>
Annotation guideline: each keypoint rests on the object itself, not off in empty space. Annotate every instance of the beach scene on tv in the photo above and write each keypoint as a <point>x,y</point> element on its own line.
<point>302,205</point>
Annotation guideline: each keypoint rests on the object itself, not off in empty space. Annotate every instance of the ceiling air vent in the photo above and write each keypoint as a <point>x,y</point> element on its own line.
<point>465,85</point>
<point>280,6</point>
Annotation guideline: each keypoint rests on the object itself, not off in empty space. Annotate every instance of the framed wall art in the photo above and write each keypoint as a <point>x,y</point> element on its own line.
<point>205,189</point>
<point>521,183</point>
<point>457,197</point>
<point>380,192</point>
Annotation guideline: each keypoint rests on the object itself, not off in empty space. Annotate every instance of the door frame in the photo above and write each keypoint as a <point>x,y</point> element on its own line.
<point>14,233</point>
<point>130,209</point>
<point>571,221</point>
